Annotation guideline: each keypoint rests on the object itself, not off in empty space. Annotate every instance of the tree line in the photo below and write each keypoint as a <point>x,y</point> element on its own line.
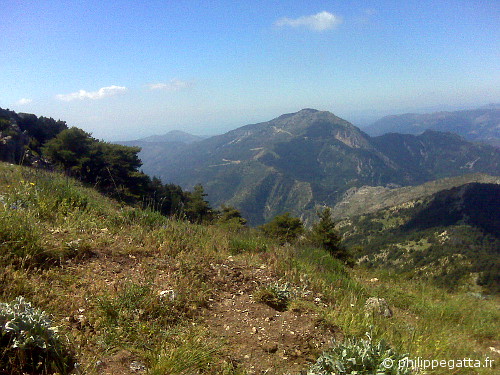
<point>112,169</point>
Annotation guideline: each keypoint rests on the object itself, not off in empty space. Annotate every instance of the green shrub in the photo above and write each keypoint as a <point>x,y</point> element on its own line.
<point>324,234</point>
<point>231,216</point>
<point>277,296</point>
<point>360,356</point>
<point>285,228</point>
<point>28,341</point>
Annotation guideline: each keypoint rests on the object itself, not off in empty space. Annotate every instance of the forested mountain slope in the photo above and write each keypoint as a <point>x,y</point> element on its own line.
<point>307,159</point>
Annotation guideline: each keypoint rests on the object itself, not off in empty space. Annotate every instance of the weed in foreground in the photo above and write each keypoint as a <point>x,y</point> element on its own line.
<point>193,353</point>
<point>360,356</point>
<point>28,341</point>
<point>276,295</point>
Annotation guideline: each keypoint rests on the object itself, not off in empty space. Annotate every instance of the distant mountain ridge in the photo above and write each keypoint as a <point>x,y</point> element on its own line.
<point>172,136</point>
<point>479,125</point>
<point>156,148</point>
<point>300,161</point>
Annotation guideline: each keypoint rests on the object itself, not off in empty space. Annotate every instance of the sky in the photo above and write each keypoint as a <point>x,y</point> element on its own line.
<point>127,69</point>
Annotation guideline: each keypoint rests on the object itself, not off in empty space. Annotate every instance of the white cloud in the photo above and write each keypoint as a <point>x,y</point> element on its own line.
<point>94,95</point>
<point>317,22</point>
<point>173,85</point>
<point>24,101</point>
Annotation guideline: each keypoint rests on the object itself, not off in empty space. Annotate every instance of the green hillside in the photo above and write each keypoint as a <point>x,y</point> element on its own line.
<point>450,238</point>
<point>368,199</point>
<point>131,291</point>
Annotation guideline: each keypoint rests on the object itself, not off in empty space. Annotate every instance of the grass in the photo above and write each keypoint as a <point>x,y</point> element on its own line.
<point>99,268</point>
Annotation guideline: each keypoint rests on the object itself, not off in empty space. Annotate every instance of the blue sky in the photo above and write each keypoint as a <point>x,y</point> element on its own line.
<point>127,69</point>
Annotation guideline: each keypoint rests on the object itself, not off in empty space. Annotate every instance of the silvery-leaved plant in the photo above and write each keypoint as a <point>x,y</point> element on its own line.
<point>360,356</point>
<point>27,326</point>
<point>29,341</point>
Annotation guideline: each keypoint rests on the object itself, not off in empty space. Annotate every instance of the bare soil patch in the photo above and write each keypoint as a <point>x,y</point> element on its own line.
<point>259,338</point>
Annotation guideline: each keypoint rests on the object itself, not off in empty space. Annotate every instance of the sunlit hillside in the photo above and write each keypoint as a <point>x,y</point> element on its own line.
<point>131,291</point>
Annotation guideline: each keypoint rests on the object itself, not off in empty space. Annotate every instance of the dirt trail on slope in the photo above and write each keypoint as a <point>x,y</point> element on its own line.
<point>259,338</point>
<point>255,337</point>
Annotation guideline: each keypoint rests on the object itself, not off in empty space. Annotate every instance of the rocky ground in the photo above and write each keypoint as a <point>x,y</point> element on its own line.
<point>254,336</point>
<point>260,338</point>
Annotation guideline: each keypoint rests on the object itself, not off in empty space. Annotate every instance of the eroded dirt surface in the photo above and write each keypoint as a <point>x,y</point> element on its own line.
<point>255,337</point>
<point>259,338</point>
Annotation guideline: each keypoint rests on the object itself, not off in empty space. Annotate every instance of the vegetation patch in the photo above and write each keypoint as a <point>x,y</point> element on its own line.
<point>277,295</point>
<point>360,356</point>
<point>29,343</point>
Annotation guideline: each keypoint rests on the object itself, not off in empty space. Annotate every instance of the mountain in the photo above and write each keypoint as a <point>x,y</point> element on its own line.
<point>300,161</point>
<point>446,237</point>
<point>479,125</point>
<point>156,148</point>
<point>172,136</point>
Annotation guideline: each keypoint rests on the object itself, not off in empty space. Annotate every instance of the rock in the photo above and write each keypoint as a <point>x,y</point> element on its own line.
<point>374,305</point>
<point>137,366</point>
<point>169,293</point>
<point>494,350</point>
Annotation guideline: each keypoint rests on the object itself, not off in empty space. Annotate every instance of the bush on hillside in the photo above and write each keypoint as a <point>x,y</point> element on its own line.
<point>231,216</point>
<point>324,234</point>
<point>285,228</point>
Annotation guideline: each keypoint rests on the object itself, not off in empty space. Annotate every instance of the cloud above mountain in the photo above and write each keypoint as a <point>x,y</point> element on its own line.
<point>317,22</point>
<point>103,92</point>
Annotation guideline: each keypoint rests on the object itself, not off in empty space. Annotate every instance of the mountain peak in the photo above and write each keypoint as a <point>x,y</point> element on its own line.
<point>307,115</point>
<point>173,136</point>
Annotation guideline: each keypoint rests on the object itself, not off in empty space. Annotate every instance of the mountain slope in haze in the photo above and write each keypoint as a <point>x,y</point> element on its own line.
<point>479,125</point>
<point>369,199</point>
<point>303,160</point>
<point>451,237</point>
<point>172,136</point>
<point>156,148</point>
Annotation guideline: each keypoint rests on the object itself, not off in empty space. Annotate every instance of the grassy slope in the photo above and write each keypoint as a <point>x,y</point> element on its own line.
<point>98,269</point>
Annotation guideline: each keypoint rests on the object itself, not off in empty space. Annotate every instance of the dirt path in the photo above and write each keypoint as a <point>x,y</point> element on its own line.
<point>255,337</point>
<point>259,338</point>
